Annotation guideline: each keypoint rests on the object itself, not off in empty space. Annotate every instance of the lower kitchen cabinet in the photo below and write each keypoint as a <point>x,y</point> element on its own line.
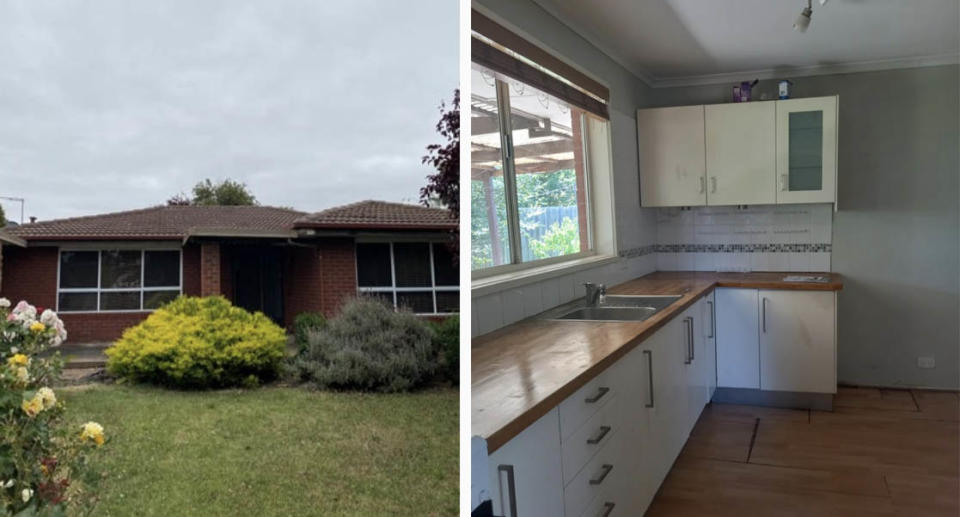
<point>526,478</point>
<point>738,342</point>
<point>798,341</point>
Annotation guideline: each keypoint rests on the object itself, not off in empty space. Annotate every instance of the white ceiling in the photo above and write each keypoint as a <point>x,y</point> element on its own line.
<point>682,42</point>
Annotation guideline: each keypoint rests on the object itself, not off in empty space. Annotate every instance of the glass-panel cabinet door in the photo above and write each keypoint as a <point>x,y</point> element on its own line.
<point>807,150</point>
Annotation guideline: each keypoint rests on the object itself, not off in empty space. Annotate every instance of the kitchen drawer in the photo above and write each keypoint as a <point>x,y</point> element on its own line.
<point>607,504</point>
<point>586,441</point>
<point>599,474</point>
<point>576,409</point>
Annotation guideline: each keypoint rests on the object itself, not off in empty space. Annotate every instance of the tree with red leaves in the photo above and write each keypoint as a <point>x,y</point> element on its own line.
<point>445,158</point>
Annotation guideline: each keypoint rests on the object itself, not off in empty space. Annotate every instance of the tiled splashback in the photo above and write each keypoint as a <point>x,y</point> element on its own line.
<point>754,238</point>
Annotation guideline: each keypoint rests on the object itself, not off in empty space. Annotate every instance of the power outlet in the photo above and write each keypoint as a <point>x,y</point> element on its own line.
<point>926,362</point>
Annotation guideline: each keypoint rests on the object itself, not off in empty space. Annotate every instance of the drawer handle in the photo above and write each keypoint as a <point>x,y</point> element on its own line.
<point>604,429</point>
<point>603,475</point>
<point>600,393</point>
<point>511,490</point>
<point>607,509</point>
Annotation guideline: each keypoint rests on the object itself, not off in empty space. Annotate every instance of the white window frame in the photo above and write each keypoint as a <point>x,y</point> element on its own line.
<point>393,289</point>
<point>98,290</point>
<point>516,264</point>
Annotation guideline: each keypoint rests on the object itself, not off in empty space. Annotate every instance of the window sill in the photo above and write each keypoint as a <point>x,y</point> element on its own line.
<point>495,284</point>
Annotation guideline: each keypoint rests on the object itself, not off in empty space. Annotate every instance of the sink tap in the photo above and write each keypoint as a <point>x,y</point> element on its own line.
<point>595,293</point>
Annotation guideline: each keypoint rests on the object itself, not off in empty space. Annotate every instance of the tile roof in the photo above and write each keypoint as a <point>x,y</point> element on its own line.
<point>164,223</point>
<point>379,215</point>
<point>10,239</point>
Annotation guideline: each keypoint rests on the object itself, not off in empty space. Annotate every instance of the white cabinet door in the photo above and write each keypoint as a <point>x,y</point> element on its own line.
<point>807,150</point>
<point>797,341</point>
<point>709,353</point>
<point>696,378</point>
<point>526,472</point>
<point>671,152</point>
<point>741,153</point>
<point>738,342</point>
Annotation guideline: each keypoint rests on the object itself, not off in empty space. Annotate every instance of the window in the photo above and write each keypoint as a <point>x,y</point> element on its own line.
<point>420,276</point>
<point>529,174</point>
<point>117,280</point>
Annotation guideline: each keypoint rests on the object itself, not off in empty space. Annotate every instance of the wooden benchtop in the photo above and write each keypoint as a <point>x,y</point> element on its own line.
<point>522,371</point>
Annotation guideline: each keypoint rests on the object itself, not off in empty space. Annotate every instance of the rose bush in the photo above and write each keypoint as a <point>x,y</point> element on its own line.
<point>43,463</point>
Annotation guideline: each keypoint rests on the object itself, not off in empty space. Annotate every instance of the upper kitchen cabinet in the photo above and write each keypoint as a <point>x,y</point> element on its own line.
<point>807,150</point>
<point>672,164</point>
<point>741,153</point>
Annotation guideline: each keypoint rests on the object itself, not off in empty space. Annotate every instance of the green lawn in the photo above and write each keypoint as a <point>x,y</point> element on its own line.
<point>273,451</point>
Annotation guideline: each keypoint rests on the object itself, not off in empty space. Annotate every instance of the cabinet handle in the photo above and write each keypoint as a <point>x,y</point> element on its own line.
<point>688,329</point>
<point>603,475</point>
<point>693,346</point>
<point>600,393</point>
<point>604,429</point>
<point>783,182</point>
<point>703,184</point>
<point>607,509</point>
<point>713,320</point>
<point>763,305</point>
<point>649,354</point>
<point>713,184</point>
<point>511,490</point>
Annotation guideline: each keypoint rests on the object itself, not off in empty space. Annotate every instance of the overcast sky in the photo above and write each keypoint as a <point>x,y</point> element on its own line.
<point>114,105</point>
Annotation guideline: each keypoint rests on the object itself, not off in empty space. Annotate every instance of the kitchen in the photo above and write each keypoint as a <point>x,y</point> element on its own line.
<point>715,258</point>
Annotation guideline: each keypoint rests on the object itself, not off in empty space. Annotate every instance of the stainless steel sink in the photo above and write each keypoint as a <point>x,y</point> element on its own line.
<point>613,308</point>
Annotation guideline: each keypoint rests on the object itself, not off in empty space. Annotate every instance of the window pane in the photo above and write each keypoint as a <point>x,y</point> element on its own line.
<point>386,298</point>
<point>448,301</point>
<point>551,174</point>
<point>156,299</point>
<point>123,301</point>
<point>161,269</point>
<point>445,270</point>
<point>78,269</point>
<point>489,237</point>
<point>373,265</point>
<point>120,268</point>
<point>412,264</point>
<point>77,302</point>
<point>416,302</point>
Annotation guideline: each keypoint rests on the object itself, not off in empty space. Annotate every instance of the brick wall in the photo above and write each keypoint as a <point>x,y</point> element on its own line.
<point>191,270</point>
<point>302,283</point>
<point>209,268</point>
<point>338,273</point>
<point>1,265</point>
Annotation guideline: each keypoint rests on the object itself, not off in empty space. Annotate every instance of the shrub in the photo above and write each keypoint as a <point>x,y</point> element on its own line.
<point>199,343</point>
<point>446,341</point>
<point>304,323</point>
<point>43,464</point>
<point>368,346</point>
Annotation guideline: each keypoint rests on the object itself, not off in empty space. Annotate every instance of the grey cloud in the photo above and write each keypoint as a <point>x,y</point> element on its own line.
<point>112,105</point>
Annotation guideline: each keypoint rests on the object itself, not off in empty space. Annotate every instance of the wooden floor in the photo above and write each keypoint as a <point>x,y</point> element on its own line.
<point>880,452</point>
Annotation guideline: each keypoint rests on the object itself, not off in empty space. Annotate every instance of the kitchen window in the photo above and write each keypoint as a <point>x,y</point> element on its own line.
<point>419,276</point>
<point>533,144</point>
<point>119,280</point>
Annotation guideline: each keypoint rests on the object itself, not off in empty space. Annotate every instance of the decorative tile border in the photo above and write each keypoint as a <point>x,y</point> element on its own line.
<point>743,248</point>
<point>639,251</point>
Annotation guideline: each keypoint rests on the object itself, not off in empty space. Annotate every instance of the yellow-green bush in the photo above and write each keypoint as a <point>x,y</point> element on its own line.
<point>199,343</point>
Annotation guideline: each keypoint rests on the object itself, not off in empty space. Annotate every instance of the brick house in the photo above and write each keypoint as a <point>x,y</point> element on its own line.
<point>104,273</point>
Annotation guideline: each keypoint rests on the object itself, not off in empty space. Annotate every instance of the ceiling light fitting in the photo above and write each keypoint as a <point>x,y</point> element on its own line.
<point>803,21</point>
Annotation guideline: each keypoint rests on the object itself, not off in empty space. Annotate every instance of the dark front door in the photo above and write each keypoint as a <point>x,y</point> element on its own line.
<point>258,281</point>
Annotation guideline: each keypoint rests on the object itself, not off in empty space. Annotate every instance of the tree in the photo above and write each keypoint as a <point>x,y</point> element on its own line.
<point>445,158</point>
<point>3,218</point>
<point>223,193</point>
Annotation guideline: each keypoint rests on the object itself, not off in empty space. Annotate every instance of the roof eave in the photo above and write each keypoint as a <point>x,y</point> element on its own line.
<point>376,226</point>
<point>12,239</point>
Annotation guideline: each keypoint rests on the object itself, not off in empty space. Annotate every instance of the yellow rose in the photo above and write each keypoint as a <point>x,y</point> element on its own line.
<point>47,396</point>
<point>22,374</point>
<point>92,431</point>
<point>32,407</point>
<point>18,360</point>
<point>37,327</point>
